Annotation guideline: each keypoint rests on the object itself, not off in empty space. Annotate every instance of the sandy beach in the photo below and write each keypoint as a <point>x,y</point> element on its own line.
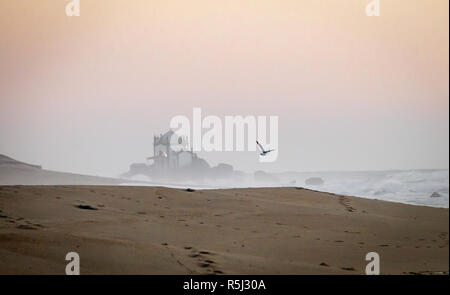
<point>157,230</point>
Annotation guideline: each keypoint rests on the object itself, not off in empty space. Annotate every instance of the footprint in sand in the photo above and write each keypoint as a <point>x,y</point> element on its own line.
<point>345,202</point>
<point>85,207</point>
<point>352,232</point>
<point>205,252</point>
<point>203,265</point>
<point>203,261</point>
<point>24,226</point>
<point>443,236</point>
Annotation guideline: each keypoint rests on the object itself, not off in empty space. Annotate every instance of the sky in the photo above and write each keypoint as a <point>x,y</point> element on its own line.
<point>87,93</point>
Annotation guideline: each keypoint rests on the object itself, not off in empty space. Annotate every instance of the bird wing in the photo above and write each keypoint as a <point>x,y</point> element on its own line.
<point>260,146</point>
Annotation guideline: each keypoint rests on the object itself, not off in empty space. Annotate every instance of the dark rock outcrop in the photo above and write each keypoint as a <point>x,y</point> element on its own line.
<point>435,195</point>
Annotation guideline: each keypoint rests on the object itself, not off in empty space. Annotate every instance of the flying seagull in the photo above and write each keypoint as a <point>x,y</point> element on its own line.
<point>263,151</point>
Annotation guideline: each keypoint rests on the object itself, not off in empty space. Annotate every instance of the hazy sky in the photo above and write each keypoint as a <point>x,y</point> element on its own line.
<point>86,94</point>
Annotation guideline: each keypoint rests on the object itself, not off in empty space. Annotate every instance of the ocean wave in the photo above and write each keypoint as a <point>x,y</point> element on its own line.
<point>411,187</point>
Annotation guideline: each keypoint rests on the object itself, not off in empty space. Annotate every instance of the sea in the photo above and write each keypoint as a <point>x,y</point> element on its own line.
<point>415,187</point>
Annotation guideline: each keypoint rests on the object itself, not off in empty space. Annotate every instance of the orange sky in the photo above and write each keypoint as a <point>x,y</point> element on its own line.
<point>373,90</point>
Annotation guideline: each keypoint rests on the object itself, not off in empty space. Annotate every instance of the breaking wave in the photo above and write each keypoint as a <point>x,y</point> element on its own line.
<point>412,187</point>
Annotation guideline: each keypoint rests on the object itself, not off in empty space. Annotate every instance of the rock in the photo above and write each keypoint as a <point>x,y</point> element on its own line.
<point>435,195</point>
<point>314,181</point>
<point>86,207</point>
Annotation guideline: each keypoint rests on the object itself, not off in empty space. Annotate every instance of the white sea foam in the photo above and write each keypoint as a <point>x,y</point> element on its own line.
<point>411,187</point>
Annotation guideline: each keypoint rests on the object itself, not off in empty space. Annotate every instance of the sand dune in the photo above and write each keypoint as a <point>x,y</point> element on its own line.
<point>156,230</point>
<point>13,172</point>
